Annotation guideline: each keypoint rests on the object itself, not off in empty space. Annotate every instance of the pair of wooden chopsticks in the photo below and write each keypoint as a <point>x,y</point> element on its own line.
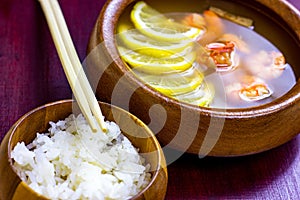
<point>77,79</point>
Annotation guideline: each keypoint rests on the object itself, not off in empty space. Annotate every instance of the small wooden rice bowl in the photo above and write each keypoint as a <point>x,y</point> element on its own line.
<point>37,120</point>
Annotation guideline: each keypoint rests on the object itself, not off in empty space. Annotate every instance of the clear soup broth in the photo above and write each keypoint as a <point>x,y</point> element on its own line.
<point>252,64</point>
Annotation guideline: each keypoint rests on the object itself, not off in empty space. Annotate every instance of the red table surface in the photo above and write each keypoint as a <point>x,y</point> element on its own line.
<point>31,75</point>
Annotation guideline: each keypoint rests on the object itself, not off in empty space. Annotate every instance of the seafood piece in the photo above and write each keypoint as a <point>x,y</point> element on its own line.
<point>267,65</point>
<point>249,89</point>
<point>255,91</point>
<point>223,54</point>
<point>278,60</point>
<point>213,24</point>
<point>194,20</point>
<point>241,45</point>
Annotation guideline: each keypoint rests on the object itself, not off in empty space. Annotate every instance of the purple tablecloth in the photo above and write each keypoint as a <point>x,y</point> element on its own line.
<point>31,75</point>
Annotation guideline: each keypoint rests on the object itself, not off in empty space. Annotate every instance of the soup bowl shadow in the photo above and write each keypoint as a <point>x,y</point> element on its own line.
<point>37,121</point>
<point>193,129</point>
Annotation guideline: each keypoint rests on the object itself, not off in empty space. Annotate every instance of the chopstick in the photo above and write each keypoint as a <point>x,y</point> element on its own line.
<point>77,79</point>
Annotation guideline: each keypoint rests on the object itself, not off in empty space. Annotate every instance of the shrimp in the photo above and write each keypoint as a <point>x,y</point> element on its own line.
<point>210,20</point>
<point>223,55</point>
<point>278,60</point>
<point>267,65</point>
<point>241,44</point>
<point>194,20</point>
<point>214,26</point>
<point>255,91</point>
<point>250,88</point>
<point>214,29</point>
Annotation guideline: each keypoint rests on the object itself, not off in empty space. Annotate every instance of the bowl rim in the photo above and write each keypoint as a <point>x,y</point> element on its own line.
<point>105,25</point>
<point>159,153</point>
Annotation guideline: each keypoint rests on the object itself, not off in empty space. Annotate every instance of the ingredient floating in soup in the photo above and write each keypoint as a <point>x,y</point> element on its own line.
<point>72,162</point>
<point>213,59</point>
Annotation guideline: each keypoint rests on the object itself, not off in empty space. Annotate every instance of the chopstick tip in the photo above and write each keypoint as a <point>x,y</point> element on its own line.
<point>104,129</point>
<point>102,124</point>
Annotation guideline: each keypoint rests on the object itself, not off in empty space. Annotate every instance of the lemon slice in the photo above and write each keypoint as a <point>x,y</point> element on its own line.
<point>137,41</point>
<point>155,25</point>
<point>202,96</point>
<point>154,65</point>
<point>174,84</point>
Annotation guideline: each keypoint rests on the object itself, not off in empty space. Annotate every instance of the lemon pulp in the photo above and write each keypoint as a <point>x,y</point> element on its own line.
<point>155,25</point>
<point>175,83</point>
<point>154,65</point>
<point>161,53</point>
<point>135,40</point>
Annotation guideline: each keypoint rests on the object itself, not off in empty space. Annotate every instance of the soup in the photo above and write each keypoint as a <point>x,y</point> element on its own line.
<point>258,62</point>
<point>233,66</point>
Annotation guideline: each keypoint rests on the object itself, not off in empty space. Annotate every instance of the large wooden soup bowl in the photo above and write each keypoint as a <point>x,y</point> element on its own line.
<point>201,130</point>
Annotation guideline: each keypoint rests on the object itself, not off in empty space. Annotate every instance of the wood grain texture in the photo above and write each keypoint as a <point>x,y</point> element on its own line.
<point>38,121</point>
<point>220,132</point>
<point>290,13</point>
<point>31,75</point>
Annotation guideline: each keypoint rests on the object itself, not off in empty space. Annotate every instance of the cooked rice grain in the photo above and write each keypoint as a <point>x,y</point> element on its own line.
<point>72,162</point>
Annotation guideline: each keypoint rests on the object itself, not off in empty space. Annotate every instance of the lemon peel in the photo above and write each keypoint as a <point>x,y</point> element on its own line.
<point>153,65</point>
<point>176,83</point>
<point>202,96</point>
<point>155,25</point>
<point>135,40</point>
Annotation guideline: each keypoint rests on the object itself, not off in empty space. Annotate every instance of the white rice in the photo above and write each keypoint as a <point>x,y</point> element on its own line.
<point>72,162</point>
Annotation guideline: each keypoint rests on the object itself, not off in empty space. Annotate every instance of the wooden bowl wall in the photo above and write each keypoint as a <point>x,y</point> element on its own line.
<point>244,131</point>
<point>25,129</point>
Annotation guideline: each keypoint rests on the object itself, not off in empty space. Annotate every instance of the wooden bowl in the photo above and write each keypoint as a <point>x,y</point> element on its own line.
<point>25,129</point>
<point>200,130</point>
